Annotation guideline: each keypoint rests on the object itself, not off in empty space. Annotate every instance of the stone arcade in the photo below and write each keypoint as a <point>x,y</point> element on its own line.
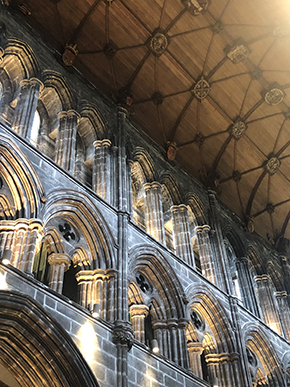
<point>108,251</point>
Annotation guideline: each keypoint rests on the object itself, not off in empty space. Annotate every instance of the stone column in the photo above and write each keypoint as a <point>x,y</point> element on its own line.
<point>267,302</point>
<point>284,313</point>
<point>194,351</point>
<point>59,264</point>
<point>182,343</point>
<point>85,281</point>
<point>159,327</point>
<point>222,270</point>
<point>65,146</point>
<point>138,314</point>
<point>26,106</point>
<point>181,234</point>
<point>21,237</point>
<point>246,285</point>
<point>123,332</point>
<point>4,104</point>
<point>153,211</point>
<point>102,169</point>
<point>205,253</point>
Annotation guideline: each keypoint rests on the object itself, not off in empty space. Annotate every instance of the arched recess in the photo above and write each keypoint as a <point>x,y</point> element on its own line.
<point>256,263</point>
<point>55,97</point>
<point>36,349</point>
<point>76,228</point>
<point>214,331</point>
<point>285,362</point>
<point>143,171</point>
<point>257,341</point>
<point>21,187</point>
<point>20,63</point>
<point>92,126</point>
<point>156,297</point>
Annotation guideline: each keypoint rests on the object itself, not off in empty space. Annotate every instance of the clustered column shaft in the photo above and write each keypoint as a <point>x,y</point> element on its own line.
<point>138,314</point>
<point>98,287</point>
<point>66,140</point>
<point>21,237</point>
<point>59,264</point>
<point>267,302</point>
<point>205,253</point>
<point>181,234</point>
<point>246,285</point>
<point>153,211</point>
<point>284,313</point>
<point>101,169</point>
<point>26,106</point>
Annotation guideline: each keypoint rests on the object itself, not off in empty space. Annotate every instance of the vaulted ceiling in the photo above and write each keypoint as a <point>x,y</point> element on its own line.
<point>209,78</point>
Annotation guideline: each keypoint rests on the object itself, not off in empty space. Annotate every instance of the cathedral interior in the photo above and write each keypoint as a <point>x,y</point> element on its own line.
<point>144,193</point>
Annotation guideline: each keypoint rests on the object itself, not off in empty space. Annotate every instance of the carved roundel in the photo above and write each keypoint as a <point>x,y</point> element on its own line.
<point>196,7</point>
<point>201,89</point>
<point>238,53</point>
<point>252,360</point>
<point>143,283</point>
<point>158,43</point>
<point>67,231</point>
<point>197,321</point>
<point>274,96</point>
<point>238,129</point>
<point>273,165</point>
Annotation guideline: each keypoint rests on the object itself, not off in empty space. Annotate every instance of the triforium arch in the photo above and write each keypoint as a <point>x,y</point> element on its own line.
<point>75,231</point>
<point>214,354</point>
<point>261,357</point>
<point>156,303</point>
<point>36,349</point>
<point>21,189</point>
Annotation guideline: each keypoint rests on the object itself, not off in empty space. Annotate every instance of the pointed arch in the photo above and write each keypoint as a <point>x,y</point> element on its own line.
<point>20,62</point>
<point>92,124</point>
<point>256,339</point>
<point>148,260</point>
<point>88,220</point>
<point>255,260</point>
<point>208,306</point>
<point>46,359</point>
<point>147,166</point>
<point>197,209</point>
<point>23,185</point>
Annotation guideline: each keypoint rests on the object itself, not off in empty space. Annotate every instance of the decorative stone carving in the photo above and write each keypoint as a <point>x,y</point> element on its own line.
<point>273,165</point>
<point>274,96</point>
<point>143,283</point>
<point>123,334</point>
<point>201,89</point>
<point>197,321</point>
<point>171,150</point>
<point>69,55</point>
<point>270,208</point>
<point>251,357</point>
<point>238,129</point>
<point>67,232</point>
<point>238,53</point>
<point>1,54</point>
<point>237,176</point>
<point>250,225</point>
<point>110,50</point>
<point>217,27</point>
<point>256,73</point>
<point>199,139</point>
<point>196,7</point>
<point>158,43</point>
<point>157,98</point>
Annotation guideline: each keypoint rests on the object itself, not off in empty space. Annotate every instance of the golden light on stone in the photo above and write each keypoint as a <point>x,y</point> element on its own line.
<point>1,54</point>
<point>274,96</point>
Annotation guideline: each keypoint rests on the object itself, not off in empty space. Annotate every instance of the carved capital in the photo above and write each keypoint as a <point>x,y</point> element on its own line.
<point>201,229</point>
<point>139,310</point>
<point>59,259</point>
<point>123,334</point>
